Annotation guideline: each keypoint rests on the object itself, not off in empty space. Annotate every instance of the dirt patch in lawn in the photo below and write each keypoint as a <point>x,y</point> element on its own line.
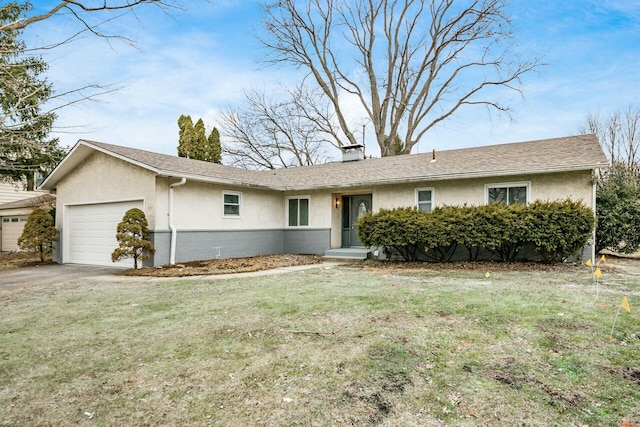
<point>10,260</point>
<point>225,266</point>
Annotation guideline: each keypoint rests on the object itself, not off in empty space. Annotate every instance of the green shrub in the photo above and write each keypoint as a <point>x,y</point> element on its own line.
<point>618,210</point>
<point>559,229</point>
<point>39,233</point>
<point>133,238</point>
<point>505,232</point>
<point>400,231</point>
<point>555,229</point>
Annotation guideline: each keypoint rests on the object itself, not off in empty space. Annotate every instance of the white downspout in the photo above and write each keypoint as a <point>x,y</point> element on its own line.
<point>172,254</point>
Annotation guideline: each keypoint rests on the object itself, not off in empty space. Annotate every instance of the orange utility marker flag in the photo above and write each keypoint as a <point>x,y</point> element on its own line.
<point>588,263</point>
<point>597,273</point>
<point>603,258</point>
<point>625,304</point>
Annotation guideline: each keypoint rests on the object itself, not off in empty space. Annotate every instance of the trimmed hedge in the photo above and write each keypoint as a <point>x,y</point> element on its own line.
<point>555,230</point>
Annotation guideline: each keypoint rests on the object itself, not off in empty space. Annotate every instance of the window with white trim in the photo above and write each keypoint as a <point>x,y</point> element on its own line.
<point>298,211</point>
<point>231,204</point>
<point>508,194</point>
<point>424,199</point>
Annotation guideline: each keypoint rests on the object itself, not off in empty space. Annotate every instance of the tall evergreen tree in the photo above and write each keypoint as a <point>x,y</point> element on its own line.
<point>200,151</point>
<point>194,143</point>
<point>214,146</point>
<point>186,137</point>
<point>25,146</point>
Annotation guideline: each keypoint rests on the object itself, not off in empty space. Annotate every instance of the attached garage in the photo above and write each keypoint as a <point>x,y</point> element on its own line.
<point>90,233</point>
<point>12,227</point>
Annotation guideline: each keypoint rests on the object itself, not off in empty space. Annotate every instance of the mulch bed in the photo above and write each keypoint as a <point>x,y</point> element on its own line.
<point>225,266</point>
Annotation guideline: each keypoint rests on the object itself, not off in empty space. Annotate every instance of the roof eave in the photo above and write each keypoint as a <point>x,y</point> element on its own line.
<point>214,180</point>
<point>76,156</point>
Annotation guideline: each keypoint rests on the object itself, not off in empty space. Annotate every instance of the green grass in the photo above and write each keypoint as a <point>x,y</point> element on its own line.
<point>340,346</point>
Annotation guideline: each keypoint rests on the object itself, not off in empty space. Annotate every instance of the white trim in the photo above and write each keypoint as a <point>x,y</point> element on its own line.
<point>286,211</point>
<point>433,197</point>
<point>232,193</point>
<point>132,199</point>
<point>526,184</point>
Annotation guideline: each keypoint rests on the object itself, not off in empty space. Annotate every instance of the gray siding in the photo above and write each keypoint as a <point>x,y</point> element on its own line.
<point>56,255</point>
<point>162,243</point>
<point>195,245</point>
<point>204,244</point>
<point>307,241</point>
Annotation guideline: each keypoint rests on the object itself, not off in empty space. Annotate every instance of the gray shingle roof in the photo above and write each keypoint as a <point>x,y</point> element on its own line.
<point>582,152</point>
<point>43,200</point>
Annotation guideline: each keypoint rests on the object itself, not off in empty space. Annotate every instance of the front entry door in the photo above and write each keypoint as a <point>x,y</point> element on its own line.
<point>353,207</point>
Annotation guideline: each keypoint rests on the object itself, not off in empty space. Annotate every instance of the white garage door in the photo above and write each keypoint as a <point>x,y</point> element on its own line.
<point>92,232</point>
<point>12,227</point>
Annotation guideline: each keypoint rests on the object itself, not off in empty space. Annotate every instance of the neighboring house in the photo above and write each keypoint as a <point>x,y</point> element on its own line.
<point>14,215</point>
<point>199,210</point>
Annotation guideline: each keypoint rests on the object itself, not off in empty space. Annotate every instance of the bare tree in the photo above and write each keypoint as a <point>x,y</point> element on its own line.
<point>618,133</point>
<point>410,63</point>
<point>78,9</point>
<point>29,103</point>
<point>269,134</point>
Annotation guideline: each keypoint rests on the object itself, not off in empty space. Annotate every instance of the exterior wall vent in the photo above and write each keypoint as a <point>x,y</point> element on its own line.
<point>352,153</point>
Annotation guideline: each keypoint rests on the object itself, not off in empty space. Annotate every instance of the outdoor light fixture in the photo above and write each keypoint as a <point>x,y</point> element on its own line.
<point>337,203</point>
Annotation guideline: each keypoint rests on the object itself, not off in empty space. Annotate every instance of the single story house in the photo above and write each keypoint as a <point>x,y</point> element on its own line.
<point>14,215</point>
<point>199,210</point>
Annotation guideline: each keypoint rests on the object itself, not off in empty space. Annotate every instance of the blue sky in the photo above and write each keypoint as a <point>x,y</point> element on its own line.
<point>201,59</point>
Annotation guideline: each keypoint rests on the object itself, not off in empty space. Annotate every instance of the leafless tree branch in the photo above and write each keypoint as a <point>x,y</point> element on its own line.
<point>410,63</point>
<point>75,7</point>
<point>269,134</point>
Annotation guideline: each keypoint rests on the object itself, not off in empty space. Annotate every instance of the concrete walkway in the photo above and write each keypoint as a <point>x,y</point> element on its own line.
<point>272,272</point>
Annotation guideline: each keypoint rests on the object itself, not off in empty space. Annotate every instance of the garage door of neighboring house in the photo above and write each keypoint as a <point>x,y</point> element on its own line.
<point>12,227</point>
<point>91,234</point>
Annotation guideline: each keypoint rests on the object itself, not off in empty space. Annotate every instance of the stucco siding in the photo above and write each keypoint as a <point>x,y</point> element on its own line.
<point>574,185</point>
<point>105,179</point>
<point>199,206</point>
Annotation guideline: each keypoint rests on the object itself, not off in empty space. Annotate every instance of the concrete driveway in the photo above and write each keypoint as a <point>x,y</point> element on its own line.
<point>52,274</point>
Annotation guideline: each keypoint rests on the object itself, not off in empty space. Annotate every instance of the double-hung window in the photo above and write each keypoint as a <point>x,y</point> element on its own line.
<point>231,204</point>
<point>298,211</point>
<point>508,194</point>
<point>424,199</point>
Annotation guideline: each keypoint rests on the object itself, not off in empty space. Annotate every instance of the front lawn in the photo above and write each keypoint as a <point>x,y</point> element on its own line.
<point>327,346</point>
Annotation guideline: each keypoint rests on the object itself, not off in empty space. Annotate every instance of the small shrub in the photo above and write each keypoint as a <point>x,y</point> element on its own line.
<point>133,238</point>
<point>39,233</point>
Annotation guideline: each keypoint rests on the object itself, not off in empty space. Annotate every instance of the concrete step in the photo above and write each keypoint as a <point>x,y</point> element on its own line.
<point>347,253</point>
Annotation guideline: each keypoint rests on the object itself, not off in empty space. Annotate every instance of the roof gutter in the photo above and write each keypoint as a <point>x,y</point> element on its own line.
<point>172,227</point>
